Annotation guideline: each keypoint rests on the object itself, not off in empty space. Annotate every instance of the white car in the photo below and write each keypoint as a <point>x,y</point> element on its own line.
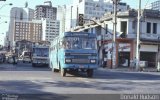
<point>26,59</point>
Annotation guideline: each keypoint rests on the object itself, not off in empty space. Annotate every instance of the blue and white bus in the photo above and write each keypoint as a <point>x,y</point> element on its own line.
<point>74,51</point>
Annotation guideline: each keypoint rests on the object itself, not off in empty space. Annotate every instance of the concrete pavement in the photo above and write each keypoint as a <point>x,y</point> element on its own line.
<point>127,69</point>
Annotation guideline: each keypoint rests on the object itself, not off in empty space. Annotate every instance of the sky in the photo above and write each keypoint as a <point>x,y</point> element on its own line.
<point>5,10</point>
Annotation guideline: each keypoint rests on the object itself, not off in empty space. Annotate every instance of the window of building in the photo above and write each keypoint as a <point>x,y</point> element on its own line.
<point>124,27</point>
<point>86,3</point>
<point>154,28</point>
<point>80,1</point>
<point>148,27</point>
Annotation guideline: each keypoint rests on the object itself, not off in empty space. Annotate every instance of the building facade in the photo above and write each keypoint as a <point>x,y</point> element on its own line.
<point>155,5</point>
<point>149,47</point>
<point>18,13</point>
<point>50,29</point>
<point>91,9</point>
<point>28,30</point>
<point>50,25</point>
<point>61,13</point>
<point>45,11</point>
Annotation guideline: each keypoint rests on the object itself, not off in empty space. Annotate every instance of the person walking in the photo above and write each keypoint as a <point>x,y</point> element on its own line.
<point>133,64</point>
<point>4,58</point>
<point>14,58</point>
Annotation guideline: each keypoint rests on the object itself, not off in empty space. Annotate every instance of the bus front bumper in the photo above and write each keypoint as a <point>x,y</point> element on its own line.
<point>80,66</point>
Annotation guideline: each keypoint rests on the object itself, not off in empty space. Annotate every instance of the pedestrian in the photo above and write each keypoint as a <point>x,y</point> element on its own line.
<point>14,58</point>
<point>4,58</point>
<point>133,64</point>
<point>1,58</point>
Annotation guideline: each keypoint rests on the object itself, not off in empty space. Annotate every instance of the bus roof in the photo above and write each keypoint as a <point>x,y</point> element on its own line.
<point>80,34</point>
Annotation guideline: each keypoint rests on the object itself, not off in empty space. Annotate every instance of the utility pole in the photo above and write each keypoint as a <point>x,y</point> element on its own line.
<point>138,36</point>
<point>115,3</point>
<point>158,56</point>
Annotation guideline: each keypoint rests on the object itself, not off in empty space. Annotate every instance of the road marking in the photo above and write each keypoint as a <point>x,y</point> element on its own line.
<point>37,78</point>
<point>26,78</point>
<point>116,81</point>
<point>86,80</point>
<point>147,81</point>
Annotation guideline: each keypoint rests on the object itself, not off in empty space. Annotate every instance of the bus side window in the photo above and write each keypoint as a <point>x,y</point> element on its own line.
<point>88,44</point>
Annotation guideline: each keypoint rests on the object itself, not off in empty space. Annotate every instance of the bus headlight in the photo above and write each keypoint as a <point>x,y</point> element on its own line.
<point>68,60</point>
<point>93,61</point>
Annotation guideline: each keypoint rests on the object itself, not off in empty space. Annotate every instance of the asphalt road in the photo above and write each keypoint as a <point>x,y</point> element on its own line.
<point>24,79</point>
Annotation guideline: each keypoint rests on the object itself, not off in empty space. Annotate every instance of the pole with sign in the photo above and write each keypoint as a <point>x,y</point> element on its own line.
<point>80,19</point>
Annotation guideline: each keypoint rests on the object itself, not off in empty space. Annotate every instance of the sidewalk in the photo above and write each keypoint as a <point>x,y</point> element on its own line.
<point>121,69</point>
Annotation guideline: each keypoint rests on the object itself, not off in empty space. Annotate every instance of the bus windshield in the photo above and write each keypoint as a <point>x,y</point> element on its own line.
<point>27,53</point>
<point>79,43</point>
<point>41,52</point>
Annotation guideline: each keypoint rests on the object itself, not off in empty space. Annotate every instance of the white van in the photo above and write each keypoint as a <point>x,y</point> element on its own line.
<point>26,56</point>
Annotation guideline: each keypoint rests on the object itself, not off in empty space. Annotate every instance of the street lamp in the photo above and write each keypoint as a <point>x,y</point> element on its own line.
<point>10,4</point>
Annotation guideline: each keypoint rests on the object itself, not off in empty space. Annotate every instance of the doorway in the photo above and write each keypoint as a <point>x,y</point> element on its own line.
<point>124,59</point>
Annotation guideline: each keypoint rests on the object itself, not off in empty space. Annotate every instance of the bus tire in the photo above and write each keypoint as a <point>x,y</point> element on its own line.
<point>90,72</point>
<point>63,72</point>
<point>55,70</point>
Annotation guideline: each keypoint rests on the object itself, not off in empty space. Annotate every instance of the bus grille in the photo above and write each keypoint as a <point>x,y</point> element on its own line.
<point>80,61</point>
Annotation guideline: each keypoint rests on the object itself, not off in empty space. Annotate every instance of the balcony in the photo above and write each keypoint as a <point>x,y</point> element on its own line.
<point>150,37</point>
<point>145,37</point>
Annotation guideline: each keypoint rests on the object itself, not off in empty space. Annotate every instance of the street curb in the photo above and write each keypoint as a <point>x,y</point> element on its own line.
<point>128,70</point>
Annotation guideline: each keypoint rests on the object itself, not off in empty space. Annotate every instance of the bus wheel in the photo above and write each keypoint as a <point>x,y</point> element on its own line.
<point>55,70</point>
<point>90,72</point>
<point>63,72</point>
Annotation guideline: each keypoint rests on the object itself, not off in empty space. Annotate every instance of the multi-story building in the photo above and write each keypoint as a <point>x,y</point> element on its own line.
<point>155,5</point>
<point>28,30</point>
<point>45,11</point>
<point>149,46</point>
<point>50,29</point>
<point>48,15</point>
<point>90,9</point>
<point>18,13</point>
<point>23,27</point>
<point>61,13</point>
